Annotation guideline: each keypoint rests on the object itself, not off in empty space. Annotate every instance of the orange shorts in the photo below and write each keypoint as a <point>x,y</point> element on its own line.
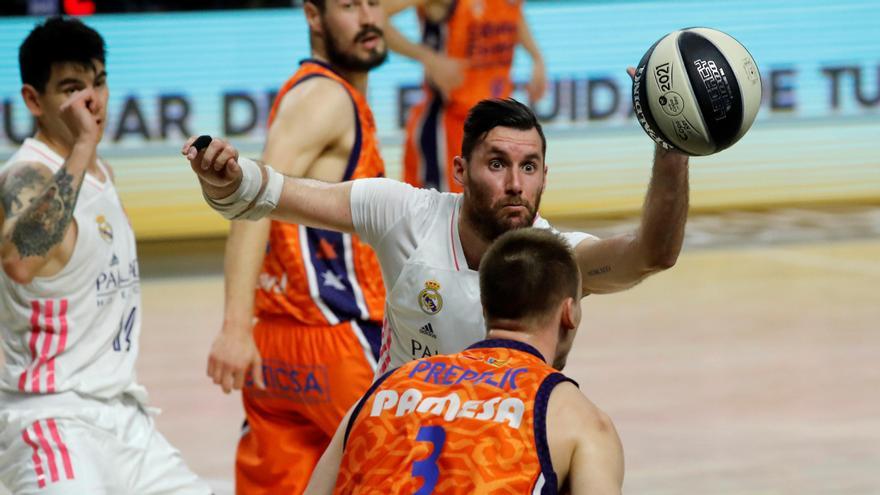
<point>433,139</point>
<point>313,375</point>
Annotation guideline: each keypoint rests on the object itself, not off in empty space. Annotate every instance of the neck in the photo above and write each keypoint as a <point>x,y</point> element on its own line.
<point>357,79</point>
<point>543,341</point>
<point>473,243</point>
<point>57,145</point>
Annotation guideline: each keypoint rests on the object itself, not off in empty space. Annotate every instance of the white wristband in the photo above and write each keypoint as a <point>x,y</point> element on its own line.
<point>252,200</point>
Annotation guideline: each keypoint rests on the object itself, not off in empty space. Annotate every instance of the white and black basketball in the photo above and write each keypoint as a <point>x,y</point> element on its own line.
<point>696,90</point>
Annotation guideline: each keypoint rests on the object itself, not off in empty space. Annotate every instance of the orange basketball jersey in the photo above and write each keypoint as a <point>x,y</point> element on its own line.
<point>485,34</point>
<point>316,277</point>
<point>472,422</point>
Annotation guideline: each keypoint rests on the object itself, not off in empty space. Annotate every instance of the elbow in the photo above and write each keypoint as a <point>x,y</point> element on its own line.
<point>661,261</point>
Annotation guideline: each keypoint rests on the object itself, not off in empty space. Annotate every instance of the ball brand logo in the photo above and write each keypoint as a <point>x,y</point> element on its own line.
<point>640,112</point>
<point>430,299</point>
<point>663,76</point>
<point>717,86</point>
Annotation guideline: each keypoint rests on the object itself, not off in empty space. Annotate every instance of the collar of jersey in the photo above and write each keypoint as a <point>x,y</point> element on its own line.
<point>319,62</point>
<point>508,344</point>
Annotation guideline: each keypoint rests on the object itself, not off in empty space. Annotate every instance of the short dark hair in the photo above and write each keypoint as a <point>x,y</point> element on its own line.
<point>526,273</point>
<point>494,112</point>
<point>58,40</point>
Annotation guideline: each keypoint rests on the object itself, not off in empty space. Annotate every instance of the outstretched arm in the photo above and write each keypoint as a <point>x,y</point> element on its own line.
<point>620,262</point>
<point>37,206</point>
<point>223,175</point>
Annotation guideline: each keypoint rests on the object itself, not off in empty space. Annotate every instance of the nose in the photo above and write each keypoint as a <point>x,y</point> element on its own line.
<point>367,16</point>
<point>513,182</point>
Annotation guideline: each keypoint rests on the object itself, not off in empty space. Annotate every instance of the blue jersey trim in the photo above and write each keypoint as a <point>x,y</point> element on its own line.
<point>542,398</point>
<point>360,404</point>
<point>508,344</point>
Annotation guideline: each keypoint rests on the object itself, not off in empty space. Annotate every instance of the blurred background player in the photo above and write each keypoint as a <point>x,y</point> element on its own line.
<point>430,243</point>
<point>467,49</point>
<point>73,417</point>
<point>319,293</point>
<point>480,421</point>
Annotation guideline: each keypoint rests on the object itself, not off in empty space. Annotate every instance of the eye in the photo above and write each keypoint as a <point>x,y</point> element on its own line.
<point>495,164</point>
<point>529,167</point>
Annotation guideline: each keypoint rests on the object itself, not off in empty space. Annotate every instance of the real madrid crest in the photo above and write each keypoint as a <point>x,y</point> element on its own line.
<point>430,299</point>
<point>104,229</point>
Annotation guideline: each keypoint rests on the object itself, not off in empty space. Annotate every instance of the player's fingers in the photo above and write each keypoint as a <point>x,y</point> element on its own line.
<point>238,380</point>
<point>222,160</point>
<point>257,373</point>
<point>77,96</point>
<point>211,366</point>
<point>187,145</point>
<point>631,71</point>
<point>228,381</point>
<point>211,153</point>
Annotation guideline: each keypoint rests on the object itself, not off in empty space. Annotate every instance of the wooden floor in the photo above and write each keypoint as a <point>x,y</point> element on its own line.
<point>749,368</point>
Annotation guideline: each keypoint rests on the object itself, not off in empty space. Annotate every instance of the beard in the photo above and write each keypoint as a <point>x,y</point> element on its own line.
<point>349,62</point>
<point>488,219</point>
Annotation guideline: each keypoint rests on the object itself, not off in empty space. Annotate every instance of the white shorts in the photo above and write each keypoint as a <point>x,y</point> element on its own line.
<point>109,448</point>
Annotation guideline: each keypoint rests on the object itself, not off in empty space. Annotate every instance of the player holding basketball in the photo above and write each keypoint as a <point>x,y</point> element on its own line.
<point>479,421</point>
<point>317,294</point>
<point>73,416</point>
<point>429,243</point>
<point>467,49</point>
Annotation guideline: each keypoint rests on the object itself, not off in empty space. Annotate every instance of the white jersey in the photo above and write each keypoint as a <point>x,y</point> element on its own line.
<point>432,303</point>
<point>75,334</point>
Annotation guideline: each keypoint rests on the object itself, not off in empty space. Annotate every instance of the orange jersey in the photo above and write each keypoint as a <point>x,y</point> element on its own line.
<point>472,422</point>
<point>485,34</point>
<point>316,277</point>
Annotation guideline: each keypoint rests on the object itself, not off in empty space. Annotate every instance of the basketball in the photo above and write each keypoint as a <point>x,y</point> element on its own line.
<point>696,90</point>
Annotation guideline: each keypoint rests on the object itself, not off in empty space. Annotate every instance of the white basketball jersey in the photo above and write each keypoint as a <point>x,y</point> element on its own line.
<point>78,330</point>
<point>432,303</point>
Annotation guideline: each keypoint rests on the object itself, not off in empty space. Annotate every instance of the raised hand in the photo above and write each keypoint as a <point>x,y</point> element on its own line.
<point>216,165</point>
<point>80,114</point>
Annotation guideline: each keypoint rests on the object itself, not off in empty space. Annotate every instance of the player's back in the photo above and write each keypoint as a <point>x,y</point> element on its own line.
<point>472,422</point>
<point>317,277</point>
<point>485,34</point>
<point>76,331</point>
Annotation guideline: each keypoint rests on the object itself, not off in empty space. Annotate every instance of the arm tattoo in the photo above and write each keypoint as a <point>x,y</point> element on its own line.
<point>18,182</point>
<point>41,226</point>
<point>599,271</point>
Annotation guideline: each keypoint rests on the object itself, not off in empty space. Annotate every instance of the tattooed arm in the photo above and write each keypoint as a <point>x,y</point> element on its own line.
<point>38,232</point>
<point>620,262</point>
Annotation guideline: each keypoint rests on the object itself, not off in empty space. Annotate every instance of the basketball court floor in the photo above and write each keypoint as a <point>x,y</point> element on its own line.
<point>750,368</point>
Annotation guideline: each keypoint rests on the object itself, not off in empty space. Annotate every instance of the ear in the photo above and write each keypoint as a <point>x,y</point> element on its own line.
<point>544,184</point>
<point>313,17</point>
<point>458,169</point>
<point>570,317</point>
<point>31,98</point>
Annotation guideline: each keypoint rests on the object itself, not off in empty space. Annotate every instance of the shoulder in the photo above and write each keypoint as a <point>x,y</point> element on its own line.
<point>319,94</point>
<point>574,414</point>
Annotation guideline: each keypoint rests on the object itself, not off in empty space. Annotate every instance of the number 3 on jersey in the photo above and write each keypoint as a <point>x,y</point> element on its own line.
<point>427,469</point>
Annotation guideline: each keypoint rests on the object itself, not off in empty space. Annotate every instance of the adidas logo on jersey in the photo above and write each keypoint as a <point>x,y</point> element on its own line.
<point>428,330</point>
